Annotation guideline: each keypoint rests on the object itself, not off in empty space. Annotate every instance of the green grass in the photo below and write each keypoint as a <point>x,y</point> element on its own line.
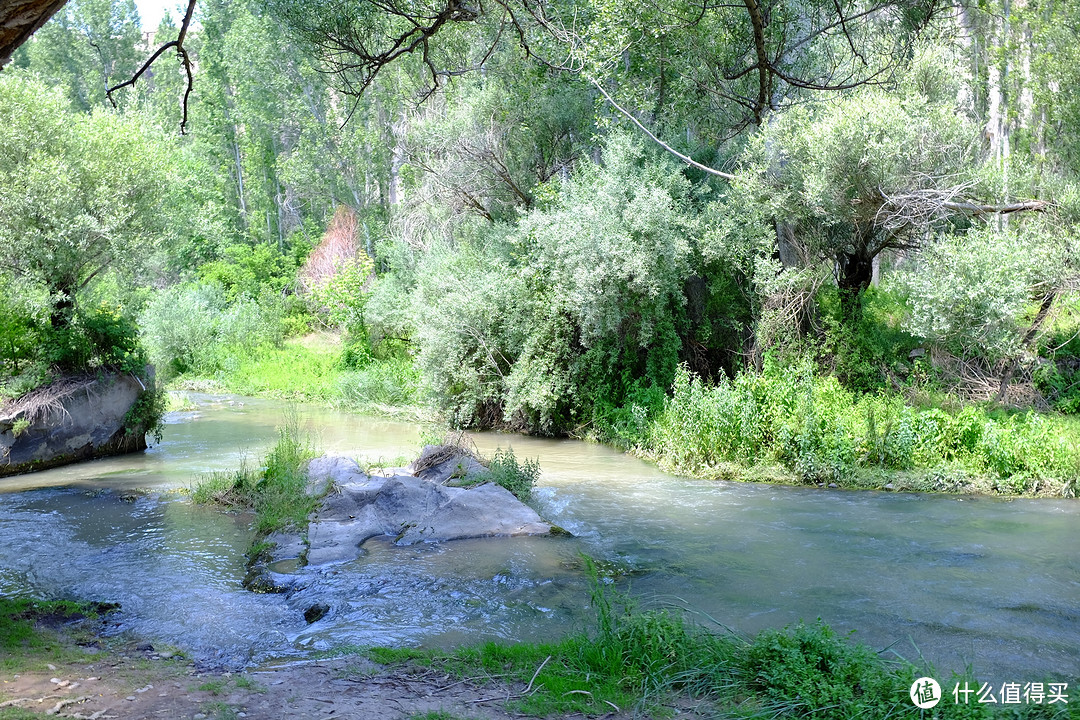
<point>312,370</point>
<point>277,492</point>
<point>639,661</point>
<point>214,687</point>
<point>14,713</point>
<point>29,636</point>
<point>291,372</point>
<point>811,429</point>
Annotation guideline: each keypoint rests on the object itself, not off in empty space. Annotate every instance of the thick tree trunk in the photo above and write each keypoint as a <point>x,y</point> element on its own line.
<point>19,19</point>
<point>854,274</point>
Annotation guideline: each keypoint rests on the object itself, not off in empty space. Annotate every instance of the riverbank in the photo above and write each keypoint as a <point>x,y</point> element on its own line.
<point>784,426</point>
<point>637,665</point>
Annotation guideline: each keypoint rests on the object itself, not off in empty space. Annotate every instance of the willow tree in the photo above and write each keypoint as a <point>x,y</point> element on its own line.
<point>79,194</point>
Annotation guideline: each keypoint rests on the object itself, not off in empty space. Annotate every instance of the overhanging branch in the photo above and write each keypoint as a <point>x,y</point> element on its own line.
<point>181,53</point>
<point>686,159</point>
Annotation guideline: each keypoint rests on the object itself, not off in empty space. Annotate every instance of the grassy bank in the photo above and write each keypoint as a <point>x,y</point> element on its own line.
<point>790,425</point>
<point>658,663</point>
<point>34,633</point>
<point>312,368</point>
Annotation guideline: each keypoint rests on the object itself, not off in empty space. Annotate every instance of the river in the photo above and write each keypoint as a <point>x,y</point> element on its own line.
<point>958,580</point>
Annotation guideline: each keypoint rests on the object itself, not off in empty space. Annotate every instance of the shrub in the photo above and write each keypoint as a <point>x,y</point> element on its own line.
<point>517,477</point>
<point>102,337</point>
<point>195,328</point>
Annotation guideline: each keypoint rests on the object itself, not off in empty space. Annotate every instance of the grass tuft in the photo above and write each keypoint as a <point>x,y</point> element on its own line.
<point>277,492</point>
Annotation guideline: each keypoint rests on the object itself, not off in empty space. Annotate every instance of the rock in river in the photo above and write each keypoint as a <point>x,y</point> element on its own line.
<point>357,506</point>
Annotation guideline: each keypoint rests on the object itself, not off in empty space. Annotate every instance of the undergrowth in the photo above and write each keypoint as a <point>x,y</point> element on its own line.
<point>820,432</point>
<point>277,491</point>
<point>638,661</point>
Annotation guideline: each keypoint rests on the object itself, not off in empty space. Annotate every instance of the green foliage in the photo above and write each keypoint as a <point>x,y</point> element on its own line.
<point>579,307</point>
<point>277,492</point>
<point>972,293</point>
<point>103,337</point>
<point>517,477</point>
<point>253,271</point>
<point>472,310</point>
<point>78,193</point>
<point>145,414</point>
<point>808,671</point>
<point>866,355</point>
<point>822,432</point>
<point>195,329</point>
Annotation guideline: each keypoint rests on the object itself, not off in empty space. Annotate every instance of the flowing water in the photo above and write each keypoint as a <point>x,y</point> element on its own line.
<point>994,583</point>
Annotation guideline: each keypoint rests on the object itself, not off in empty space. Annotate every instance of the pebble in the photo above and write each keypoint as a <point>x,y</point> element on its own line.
<point>55,680</point>
<point>198,716</point>
<point>144,689</point>
<point>51,666</point>
<point>130,697</point>
<point>833,485</point>
<point>890,486</point>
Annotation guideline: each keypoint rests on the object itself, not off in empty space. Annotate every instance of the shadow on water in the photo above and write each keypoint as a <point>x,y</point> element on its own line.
<point>965,580</point>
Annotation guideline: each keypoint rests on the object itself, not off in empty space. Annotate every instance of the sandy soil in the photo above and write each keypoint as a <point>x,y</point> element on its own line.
<point>143,685</point>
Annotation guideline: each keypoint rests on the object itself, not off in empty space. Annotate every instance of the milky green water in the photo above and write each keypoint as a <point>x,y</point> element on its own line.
<point>993,583</point>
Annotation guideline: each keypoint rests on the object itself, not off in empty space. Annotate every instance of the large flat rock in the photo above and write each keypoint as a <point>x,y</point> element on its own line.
<point>410,509</point>
<point>72,420</point>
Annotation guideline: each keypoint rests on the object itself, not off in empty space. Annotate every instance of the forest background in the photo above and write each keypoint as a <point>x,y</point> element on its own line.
<point>796,240</point>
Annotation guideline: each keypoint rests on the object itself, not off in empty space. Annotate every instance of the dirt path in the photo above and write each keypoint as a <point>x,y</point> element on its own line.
<point>142,685</point>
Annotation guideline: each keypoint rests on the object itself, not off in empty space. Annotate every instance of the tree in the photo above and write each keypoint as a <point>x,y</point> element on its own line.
<point>86,46</point>
<point>79,194</point>
<point>872,172</point>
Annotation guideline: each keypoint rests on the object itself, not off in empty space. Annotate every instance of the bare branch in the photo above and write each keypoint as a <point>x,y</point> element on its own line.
<point>686,159</point>
<point>182,55</point>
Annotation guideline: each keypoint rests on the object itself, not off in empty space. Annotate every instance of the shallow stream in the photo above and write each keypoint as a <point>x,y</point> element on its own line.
<point>961,580</point>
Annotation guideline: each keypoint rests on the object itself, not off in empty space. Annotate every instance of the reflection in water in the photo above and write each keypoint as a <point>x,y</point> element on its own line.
<point>978,580</point>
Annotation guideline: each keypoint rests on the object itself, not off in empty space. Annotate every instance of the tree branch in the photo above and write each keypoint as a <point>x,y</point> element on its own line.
<point>976,209</point>
<point>182,55</point>
<point>686,159</point>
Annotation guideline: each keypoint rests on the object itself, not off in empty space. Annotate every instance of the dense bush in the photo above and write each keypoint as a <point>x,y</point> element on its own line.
<point>819,430</point>
<point>971,293</point>
<point>579,310</point>
<point>194,328</point>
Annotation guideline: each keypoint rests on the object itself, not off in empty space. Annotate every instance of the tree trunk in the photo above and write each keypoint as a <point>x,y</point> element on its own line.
<point>855,271</point>
<point>19,19</point>
<point>1027,342</point>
